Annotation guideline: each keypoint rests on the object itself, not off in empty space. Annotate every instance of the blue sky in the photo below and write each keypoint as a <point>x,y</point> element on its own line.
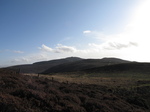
<point>37,30</point>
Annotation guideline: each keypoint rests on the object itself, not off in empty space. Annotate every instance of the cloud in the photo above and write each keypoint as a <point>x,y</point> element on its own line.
<point>95,34</point>
<point>18,60</point>
<point>11,51</point>
<point>95,45</point>
<point>115,42</point>
<point>19,52</point>
<point>118,46</point>
<point>86,31</point>
<point>62,49</point>
<point>58,49</point>
<point>45,48</point>
<point>30,58</point>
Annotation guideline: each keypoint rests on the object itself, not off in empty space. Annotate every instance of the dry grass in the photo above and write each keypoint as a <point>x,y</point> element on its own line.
<point>85,79</point>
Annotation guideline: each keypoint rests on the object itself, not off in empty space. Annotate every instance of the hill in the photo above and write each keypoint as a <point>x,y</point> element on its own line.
<point>83,64</point>
<point>132,68</point>
<point>39,67</point>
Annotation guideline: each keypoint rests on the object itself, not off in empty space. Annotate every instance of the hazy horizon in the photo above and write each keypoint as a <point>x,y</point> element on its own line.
<point>33,31</point>
<point>65,58</point>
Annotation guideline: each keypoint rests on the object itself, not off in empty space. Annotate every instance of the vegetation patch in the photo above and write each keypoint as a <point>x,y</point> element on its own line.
<point>22,93</point>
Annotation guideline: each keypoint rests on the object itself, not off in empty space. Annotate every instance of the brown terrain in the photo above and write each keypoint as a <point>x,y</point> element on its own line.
<point>26,93</point>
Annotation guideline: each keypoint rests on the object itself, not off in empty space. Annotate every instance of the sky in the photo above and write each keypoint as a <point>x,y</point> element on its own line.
<point>39,30</point>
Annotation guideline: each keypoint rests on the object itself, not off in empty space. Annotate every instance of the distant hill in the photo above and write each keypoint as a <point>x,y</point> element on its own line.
<point>132,67</point>
<point>39,67</point>
<point>83,64</point>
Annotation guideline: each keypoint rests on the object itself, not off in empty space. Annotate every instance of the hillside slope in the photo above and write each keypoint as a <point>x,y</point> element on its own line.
<point>39,67</point>
<point>132,67</point>
<point>83,64</point>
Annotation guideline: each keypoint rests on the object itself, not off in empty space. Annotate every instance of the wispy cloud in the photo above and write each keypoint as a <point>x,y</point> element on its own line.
<point>62,49</point>
<point>112,42</point>
<point>19,52</point>
<point>118,46</point>
<point>11,51</point>
<point>30,58</point>
<point>20,60</point>
<point>86,31</point>
<point>58,49</point>
<point>95,34</point>
<point>45,48</point>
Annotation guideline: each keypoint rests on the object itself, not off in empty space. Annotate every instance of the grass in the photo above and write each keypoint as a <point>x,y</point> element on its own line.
<point>133,86</point>
<point>118,79</point>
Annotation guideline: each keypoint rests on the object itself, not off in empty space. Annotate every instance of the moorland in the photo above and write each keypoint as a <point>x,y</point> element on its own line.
<point>76,85</point>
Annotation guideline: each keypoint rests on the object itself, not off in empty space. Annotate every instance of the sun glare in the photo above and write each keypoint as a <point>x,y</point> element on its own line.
<point>139,31</point>
<point>141,22</point>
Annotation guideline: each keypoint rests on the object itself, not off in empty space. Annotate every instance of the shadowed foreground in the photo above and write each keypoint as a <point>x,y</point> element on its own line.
<point>20,93</point>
